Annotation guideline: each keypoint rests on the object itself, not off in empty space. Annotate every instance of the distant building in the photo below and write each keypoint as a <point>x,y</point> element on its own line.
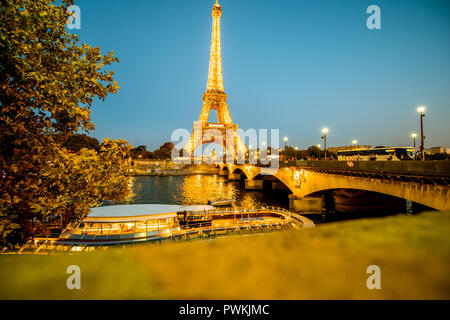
<point>336,149</point>
<point>434,150</point>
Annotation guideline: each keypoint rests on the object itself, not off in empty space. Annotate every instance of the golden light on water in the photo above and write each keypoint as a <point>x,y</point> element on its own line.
<point>200,189</point>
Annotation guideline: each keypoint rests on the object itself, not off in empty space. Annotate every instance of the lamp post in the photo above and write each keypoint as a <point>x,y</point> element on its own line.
<point>421,111</point>
<point>319,146</point>
<point>325,131</point>
<point>414,136</point>
<point>285,141</point>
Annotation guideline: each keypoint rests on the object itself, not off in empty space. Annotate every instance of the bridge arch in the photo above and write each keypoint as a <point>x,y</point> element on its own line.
<point>304,182</point>
<point>425,194</point>
<point>240,171</point>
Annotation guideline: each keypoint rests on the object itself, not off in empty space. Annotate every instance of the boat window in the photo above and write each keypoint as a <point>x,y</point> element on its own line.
<point>128,227</point>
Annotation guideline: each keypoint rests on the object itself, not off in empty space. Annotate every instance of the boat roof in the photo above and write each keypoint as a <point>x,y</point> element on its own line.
<point>198,208</point>
<point>135,212</point>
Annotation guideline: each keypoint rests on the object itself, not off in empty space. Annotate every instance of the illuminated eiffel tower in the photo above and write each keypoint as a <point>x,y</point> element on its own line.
<point>215,99</point>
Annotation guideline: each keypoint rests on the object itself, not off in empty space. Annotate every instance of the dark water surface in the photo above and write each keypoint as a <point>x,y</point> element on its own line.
<point>199,189</point>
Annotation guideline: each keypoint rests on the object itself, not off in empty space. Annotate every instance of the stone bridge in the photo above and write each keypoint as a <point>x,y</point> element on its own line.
<point>419,182</point>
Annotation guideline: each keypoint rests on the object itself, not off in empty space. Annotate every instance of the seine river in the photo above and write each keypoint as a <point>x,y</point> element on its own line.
<point>199,189</point>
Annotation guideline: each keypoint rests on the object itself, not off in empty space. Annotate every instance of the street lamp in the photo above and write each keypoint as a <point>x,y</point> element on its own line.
<point>421,111</point>
<point>285,141</point>
<point>325,131</point>
<point>414,136</point>
<point>354,142</point>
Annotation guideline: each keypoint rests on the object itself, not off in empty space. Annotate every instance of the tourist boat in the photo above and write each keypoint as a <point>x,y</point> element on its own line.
<point>125,224</point>
<point>130,224</point>
<point>221,203</point>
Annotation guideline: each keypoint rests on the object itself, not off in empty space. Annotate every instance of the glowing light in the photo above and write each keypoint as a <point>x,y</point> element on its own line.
<point>354,142</point>
<point>421,109</point>
<point>413,135</point>
<point>325,130</point>
<point>285,139</point>
<point>215,98</point>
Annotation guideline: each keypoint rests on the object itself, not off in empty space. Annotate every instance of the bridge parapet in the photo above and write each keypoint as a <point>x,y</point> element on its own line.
<point>407,167</point>
<point>427,183</point>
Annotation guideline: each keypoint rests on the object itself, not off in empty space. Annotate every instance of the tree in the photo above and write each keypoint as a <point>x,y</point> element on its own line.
<point>164,152</point>
<point>48,82</point>
<point>76,142</point>
<point>314,151</point>
<point>141,152</point>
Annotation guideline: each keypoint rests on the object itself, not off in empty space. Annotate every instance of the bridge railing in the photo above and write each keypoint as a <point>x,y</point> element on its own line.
<point>433,167</point>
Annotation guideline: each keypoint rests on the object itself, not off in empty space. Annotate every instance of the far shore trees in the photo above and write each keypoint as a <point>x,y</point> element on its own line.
<point>48,82</point>
<point>162,153</point>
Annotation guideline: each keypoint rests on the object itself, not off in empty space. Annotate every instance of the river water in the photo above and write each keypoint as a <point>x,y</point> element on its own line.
<point>199,189</point>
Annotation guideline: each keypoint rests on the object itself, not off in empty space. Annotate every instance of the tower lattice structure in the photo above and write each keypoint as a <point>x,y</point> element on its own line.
<point>224,132</point>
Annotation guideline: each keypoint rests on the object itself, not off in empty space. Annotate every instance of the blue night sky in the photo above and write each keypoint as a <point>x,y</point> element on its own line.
<point>293,65</point>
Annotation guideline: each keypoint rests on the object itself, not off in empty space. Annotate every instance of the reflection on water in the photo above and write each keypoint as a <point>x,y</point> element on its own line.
<point>199,189</point>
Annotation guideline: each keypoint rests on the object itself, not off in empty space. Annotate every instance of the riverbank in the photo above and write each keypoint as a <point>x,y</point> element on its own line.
<point>326,262</point>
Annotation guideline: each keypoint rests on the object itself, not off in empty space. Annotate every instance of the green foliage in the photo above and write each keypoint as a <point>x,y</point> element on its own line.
<point>48,82</point>
<point>327,262</point>
<point>314,151</point>
<point>141,152</point>
<point>164,152</point>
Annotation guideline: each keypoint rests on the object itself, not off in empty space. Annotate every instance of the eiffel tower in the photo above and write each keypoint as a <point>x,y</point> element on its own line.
<point>224,132</point>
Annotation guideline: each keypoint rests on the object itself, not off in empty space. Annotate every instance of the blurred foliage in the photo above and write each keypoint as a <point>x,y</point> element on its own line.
<point>326,262</point>
<point>48,82</point>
